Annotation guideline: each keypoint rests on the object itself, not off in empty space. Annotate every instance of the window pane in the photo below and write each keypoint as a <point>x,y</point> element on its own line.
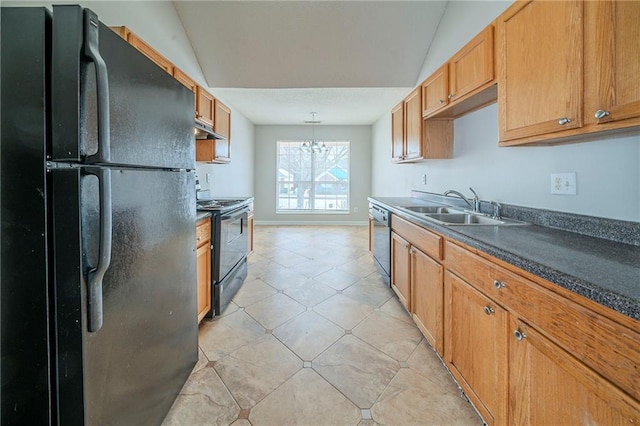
<point>316,181</point>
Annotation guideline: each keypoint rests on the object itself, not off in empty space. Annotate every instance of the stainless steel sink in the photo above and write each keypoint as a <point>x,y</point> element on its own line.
<point>430,209</point>
<point>471,219</point>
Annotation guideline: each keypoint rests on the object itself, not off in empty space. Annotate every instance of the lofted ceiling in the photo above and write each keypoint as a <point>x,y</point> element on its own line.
<point>276,61</point>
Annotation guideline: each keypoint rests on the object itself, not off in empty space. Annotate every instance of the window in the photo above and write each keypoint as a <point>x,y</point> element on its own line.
<point>316,182</point>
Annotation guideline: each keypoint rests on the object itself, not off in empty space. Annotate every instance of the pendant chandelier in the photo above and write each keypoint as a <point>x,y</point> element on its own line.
<point>312,145</point>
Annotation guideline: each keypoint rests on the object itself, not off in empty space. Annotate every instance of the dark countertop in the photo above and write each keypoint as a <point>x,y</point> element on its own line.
<point>201,215</point>
<point>604,271</point>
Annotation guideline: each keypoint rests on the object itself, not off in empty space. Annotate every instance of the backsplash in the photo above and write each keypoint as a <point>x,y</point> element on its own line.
<point>621,231</point>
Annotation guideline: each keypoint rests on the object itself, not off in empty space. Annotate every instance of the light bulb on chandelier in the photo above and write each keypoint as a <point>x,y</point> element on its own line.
<point>312,145</point>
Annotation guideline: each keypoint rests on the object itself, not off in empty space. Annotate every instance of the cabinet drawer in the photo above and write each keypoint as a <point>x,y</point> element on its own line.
<point>419,237</point>
<point>203,231</point>
<point>608,347</point>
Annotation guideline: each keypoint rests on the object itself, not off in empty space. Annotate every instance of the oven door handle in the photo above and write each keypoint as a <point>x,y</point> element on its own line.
<point>235,214</point>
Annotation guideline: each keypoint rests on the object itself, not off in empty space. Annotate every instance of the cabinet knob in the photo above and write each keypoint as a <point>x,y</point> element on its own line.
<point>488,310</point>
<point>441,101</point>
<point>450,96</point>
<point>519,335</point>
<point>499,284</point>
<point>198,238</point>
<point>563,121</point>
<point>601,114</point>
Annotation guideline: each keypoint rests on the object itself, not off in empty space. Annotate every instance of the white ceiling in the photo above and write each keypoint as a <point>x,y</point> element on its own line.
<point>276,61</point>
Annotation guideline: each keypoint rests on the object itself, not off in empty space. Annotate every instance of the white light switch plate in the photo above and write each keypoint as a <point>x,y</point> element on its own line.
<point>564,183</point>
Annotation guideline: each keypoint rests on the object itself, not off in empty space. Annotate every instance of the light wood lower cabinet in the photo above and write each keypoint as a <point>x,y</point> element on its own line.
<point>417,277</point>
<point>547,385</point>
<point>476,347</point>
<point>400,269</point>
<point>427,297</point>
<point>524,350</point>
<point>203,268</point>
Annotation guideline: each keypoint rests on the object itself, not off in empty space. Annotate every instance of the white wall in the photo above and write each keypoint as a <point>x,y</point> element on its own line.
<point>265,171</point>
<point>607,170</point>
<point>157,23</point>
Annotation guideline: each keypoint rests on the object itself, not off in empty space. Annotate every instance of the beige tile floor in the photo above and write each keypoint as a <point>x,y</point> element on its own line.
<point>315,337</point>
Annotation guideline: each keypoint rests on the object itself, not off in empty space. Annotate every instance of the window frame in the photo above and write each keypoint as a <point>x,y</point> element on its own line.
<point>313,183</point>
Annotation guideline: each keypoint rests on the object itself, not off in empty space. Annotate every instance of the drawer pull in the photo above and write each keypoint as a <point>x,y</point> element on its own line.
<point>488,310</point>
<point>519,335</point>
<point>499,284</point>
<point>563,121</point>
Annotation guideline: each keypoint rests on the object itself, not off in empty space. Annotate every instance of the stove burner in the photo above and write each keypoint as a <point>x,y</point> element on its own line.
<point>217,204</point>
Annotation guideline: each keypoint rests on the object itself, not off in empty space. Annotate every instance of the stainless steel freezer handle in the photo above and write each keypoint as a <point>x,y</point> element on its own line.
<point>91,49</point>
<point>94,291</point>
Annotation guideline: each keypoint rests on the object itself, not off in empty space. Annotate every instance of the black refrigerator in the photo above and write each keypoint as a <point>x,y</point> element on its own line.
<point>98,296</point>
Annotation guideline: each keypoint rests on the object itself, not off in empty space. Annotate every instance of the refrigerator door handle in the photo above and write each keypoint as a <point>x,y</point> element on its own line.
<point>91,49</point>
<point>94,291</point>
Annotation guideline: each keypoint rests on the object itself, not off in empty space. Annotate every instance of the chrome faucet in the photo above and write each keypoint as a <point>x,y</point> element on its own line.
<point>476,201</point>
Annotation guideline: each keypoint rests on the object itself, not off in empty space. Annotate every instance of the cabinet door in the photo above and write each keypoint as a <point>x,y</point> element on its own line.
<point>617,39</point>
<point>472,66</point>
<point>427,293</point>
<point>205,106</point>
<point>549,386</point>
<point>250,235</point>
<point>370,232</point>
<point>188,83</point>
<point>203,261</point>
<point>150,52</point>
<point>397,132</point>
<point>435,91</point>
<point>413,125</point>
<point>540,79</point>
<point>400,269</point>
<point>222,126</point>
<point>476,347</point>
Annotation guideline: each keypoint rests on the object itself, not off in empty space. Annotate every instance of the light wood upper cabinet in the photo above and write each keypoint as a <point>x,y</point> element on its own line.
<point>205,108</point>
<point>222,127</point>
<point>217,150</point>
<point>150,52</point>
<point>222,121</point>
<point>413,138</point>
<point>400,269</point>
<point>547,384</point>
<point>476,347</point>
<point>188,83</point>
<point>472,66</point>
<point>397,132</point>
<point>143,47</point>
<point>540,83</point>
<point>413,125</point>
<point>464,83</point>
<point>615,40</point>
<point>435,91</point>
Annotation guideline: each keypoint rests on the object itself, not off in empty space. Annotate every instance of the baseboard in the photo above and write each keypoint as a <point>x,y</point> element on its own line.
<point>309,223</point>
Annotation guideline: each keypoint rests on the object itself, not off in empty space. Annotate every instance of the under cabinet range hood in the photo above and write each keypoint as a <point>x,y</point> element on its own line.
<point>203,131</point>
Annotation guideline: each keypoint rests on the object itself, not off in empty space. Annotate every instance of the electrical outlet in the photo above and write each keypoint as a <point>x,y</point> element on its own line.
<point>208,177</point>
<point>424,179</point>
<point>355,210</point>
<point>564,183</point>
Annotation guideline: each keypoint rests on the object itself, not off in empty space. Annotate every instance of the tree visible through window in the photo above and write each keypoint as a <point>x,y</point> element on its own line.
<point>313,181</point>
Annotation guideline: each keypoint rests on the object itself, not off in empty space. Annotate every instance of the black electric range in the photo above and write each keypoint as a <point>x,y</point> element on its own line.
<point>229,246</point>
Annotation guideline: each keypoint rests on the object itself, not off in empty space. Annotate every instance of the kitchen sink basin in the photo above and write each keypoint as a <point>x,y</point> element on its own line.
<point>471,219</point>
<point>430,209</point>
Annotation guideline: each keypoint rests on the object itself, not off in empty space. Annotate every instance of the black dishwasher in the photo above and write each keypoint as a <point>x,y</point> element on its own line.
<point>381,244</point>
